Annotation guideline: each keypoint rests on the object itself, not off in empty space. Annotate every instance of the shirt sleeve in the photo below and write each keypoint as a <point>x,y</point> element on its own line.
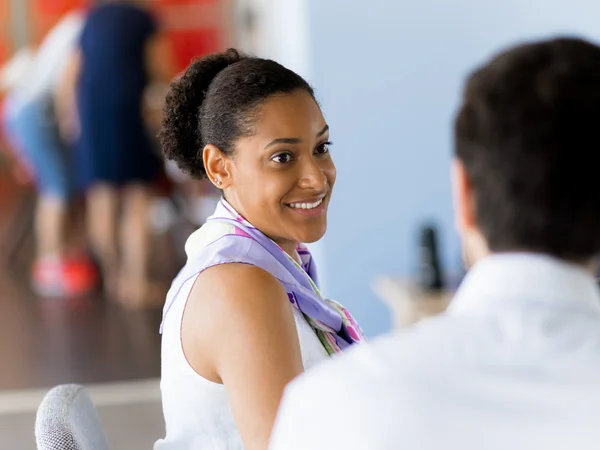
<point>304,420</point>
<point>347,402</point>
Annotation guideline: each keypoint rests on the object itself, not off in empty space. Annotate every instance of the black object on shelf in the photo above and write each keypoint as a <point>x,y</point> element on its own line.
<point>430,272</point>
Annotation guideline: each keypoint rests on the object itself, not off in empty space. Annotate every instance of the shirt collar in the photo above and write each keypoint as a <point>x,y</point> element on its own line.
<point>520,278</point>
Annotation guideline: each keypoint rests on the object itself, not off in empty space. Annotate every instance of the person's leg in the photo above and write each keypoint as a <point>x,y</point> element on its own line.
<point>33,129</point>
<point>76,241</point>
<point>101,220</point>
<point>135,286</point>
<point>39,143</point>
<point>50,226</point>
<point>62,268</point>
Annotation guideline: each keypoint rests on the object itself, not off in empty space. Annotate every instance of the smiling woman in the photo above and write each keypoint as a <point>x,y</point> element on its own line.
<point>245,315</point>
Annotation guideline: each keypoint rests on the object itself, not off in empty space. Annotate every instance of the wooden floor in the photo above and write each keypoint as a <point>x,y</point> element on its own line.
<point>49,342</point>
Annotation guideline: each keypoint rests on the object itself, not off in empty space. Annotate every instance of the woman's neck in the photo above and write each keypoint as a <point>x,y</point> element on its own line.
<point>287,246</point>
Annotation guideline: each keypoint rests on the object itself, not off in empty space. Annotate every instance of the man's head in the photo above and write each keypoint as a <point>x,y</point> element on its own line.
<point>527,148</point>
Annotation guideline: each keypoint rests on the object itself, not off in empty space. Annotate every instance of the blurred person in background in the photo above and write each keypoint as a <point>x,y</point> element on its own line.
<point>61,268</point>
<point>245,314</point>
<point>121,54</point>
<point>514,363</point>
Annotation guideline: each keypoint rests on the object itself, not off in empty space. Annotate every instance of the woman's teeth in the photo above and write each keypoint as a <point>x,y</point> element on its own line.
<point>306,205</point>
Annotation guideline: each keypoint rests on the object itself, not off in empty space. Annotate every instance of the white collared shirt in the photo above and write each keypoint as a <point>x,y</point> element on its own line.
<point>513,364</point>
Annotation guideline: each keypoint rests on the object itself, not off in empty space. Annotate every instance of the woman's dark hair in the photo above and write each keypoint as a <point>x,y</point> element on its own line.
<point>216,102</point>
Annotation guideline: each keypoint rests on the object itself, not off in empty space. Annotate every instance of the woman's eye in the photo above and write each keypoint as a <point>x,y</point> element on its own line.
<point>323,148</point>
<point>282,158</point>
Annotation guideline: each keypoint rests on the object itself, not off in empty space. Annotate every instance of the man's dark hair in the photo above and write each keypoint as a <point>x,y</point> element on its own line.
<point>527,133</point>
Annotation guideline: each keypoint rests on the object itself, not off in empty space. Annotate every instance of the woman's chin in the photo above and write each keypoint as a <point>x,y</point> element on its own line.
<point>312,235</point>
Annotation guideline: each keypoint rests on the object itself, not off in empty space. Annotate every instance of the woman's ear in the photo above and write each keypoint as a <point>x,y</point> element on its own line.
<point>216,166</point>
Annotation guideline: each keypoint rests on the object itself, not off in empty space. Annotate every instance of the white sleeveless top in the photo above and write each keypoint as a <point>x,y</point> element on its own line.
<point>196,410</point>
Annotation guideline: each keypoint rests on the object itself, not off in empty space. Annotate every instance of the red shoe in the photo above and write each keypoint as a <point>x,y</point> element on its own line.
<point>64,278</point>
<point>81,276</point>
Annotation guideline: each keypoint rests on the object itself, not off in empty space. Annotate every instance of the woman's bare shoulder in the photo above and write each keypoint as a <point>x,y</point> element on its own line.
<point>238,285</point>
<point>250,307</point>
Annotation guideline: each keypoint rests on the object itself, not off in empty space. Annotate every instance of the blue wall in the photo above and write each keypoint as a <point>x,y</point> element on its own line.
<point>388,74</point>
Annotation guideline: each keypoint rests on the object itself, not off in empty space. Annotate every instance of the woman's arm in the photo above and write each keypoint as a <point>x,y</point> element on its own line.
<point>239,329</point>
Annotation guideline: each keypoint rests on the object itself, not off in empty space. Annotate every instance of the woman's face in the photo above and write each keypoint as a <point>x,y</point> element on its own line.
<point>281,177</point>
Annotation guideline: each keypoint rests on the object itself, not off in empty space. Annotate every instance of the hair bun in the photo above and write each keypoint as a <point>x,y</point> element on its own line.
<point>180,134</point>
